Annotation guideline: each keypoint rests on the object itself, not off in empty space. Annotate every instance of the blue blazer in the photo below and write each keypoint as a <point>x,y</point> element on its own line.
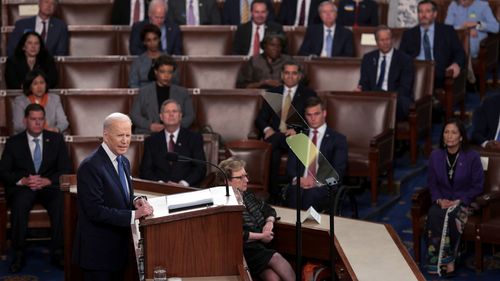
<point>102,237</point>
<point>468,180</point>
<point>57,35</point>
<point>486,120</point>
<point>288,12</point>
<point>400,80</point>
<point>174,39</point>
<point>267,116</point>
<point>343,45</point>
<point>447,48</point>
<point>154,164</point>
<point>367,13</point>
<point>231,12</point>
<point>334,149</point>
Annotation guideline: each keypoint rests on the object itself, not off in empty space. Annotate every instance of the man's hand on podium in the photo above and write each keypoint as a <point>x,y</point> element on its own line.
<point>143,208</point>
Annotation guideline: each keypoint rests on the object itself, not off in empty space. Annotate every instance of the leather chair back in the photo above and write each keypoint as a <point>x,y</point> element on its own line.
<point>207,40</point>
<point>81,147</point>
<point>212,72</point>
<point>9,97</point>
<point>91,72</point>
<point>370,114</point>
<point>78,13</point>
<point>257,155</point>
<point>122,37</point>
<point>2,72</point>
<point>337,74</point>
<point>86,112</point>
<point>295,37</point>
<point>211,149</point>
<point>93,41</point>
<point>423,84</point>
<point>231,116</point>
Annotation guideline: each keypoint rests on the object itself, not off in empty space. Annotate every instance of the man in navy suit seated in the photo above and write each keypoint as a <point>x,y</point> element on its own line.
<point>155,165</point>
<point>53,30</point>
<point>107,205</point>
<point>237,12</point>
<point>170,41</point>
<point>435,41</point>
<point>487,124</point>
<point>331,144</point>
<point>327,39</point>
<point>388,69</point>
<point>299,12</point>
<point>30,168</point>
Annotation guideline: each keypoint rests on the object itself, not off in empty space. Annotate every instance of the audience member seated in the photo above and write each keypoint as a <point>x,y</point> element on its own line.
<point>53,30</point>
<point>157,166</point>
<point>295,12</point>
<point>32,176</point>
<point>36,91</point>
<point>146,106</point>
<point>236,12</point>
<point>248,35</point>
<point>327,39</point>
<point>332,145</point>
<point>388,69</point>
<point>273,126</point>
<point>474,15</point>
<point>141,71</point>
<point>358,13</point>
<point>30,54</point>
<point>171,41</point>
<point>435,41</point>
<point>194,12</point>
<point>455,177</point>
<point>264,70</point>
<point>258,224</point>
<point>124,13</point>
<point>487,124</point>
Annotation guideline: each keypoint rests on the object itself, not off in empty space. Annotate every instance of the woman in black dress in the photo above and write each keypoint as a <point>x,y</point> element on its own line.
<point>258,222</point>
<point>30,54</point>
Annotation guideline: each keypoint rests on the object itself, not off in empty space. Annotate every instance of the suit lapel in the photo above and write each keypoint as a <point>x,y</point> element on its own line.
<point>392,71</point>
<point>110,168</point>
<point>26,149</point>
<point>373,73</point>
<point>47,150</point>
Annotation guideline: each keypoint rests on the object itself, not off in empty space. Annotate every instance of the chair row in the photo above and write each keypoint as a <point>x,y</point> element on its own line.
<point>201,75</point>
<point>89,12</point>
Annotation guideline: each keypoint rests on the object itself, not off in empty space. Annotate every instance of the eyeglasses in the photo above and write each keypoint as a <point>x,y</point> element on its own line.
<point>241,177</point>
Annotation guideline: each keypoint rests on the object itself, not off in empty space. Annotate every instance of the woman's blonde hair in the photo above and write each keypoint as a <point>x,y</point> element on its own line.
<point>230,165</point>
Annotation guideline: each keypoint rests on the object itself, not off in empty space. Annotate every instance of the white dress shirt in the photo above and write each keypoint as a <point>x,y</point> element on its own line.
<point>306,13</point>
<point>319,139</point>
<point>262,29</point>
<point>196,11</point>
<point>141,10</point>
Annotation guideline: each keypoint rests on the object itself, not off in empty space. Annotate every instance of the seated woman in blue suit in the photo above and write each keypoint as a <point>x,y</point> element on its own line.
<point>258,222</point>
<point>36,90</point>
<point>455,177</point>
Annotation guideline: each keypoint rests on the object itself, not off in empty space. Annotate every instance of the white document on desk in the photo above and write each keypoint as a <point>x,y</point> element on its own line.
<point>312,215</point>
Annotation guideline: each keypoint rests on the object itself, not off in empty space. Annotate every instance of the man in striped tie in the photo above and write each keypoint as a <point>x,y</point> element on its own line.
<point>30,168</point>
<point>333,147</point>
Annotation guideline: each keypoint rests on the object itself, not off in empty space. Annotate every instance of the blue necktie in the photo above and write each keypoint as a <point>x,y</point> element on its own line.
<point>329,42</point>
<point>37,155</point>
<point>381,75</point>
<point>122,175</point>
<point>427,47</point>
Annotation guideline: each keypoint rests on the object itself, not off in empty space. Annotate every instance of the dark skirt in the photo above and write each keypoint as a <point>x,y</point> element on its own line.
<point>257,256</point>
<point>443,240</point>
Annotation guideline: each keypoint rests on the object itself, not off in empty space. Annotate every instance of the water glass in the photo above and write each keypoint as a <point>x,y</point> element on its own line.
<point>160,273</point>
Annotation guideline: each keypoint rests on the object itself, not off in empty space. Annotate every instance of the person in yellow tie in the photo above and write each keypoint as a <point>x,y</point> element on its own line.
<point>273,125</point>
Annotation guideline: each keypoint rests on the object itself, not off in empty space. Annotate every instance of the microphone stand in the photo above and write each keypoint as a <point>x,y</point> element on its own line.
<point>331,183</point>
<point>188,159</point>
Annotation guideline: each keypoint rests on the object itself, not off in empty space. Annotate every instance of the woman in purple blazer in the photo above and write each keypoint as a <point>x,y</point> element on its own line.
<point>455,178</point>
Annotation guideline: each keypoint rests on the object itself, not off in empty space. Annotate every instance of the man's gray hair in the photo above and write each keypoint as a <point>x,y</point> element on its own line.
<point>163,104</point>
<point>154,3</point>
<point>113,117</point>
<point>324,3</point>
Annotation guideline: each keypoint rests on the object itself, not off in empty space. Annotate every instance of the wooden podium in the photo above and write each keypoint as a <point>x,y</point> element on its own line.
<point>203,241</point>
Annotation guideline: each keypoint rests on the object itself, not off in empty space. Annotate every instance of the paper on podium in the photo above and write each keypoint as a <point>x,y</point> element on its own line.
<point>188,200</point>
<point>311,215</point>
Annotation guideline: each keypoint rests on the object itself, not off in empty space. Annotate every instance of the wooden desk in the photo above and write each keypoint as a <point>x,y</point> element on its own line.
<point>368,251</point>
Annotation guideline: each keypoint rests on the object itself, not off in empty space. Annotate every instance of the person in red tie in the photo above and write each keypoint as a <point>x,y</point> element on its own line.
<point>128,12</point>
<point>299,12</point>
<point>331,144</point>
<point>358,13</point>
<point>53,31</point>
<point>248,36</point>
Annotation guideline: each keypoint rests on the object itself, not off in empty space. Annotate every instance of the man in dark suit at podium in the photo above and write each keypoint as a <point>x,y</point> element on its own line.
<point>155,164</point>
<point>30,168</point>
<point>106,205</point>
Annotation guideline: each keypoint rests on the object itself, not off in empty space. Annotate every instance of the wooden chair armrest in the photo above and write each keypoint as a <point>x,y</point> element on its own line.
<point>487,199</point>
<point>384,144</point>
<point>421,202</point>
<point>488,49</point>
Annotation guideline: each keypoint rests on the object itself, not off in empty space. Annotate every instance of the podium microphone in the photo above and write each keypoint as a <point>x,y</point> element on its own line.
<point>175,157</point>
